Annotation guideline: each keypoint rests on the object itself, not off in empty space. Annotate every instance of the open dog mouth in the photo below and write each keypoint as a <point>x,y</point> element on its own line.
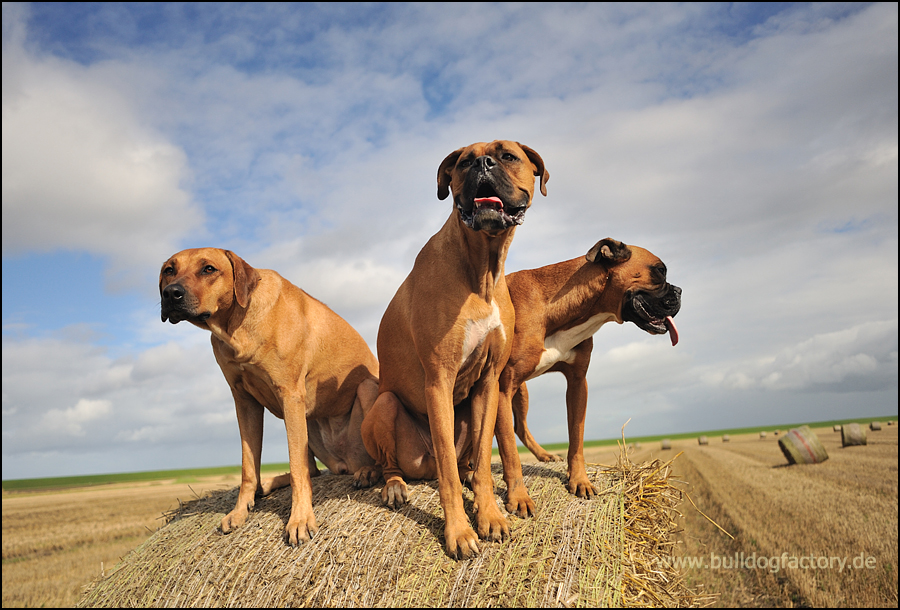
<point>646,314</point>
<point>488,212</point>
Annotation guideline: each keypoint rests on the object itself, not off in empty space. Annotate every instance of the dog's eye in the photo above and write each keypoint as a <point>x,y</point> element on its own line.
<point>509,157</point>
<point>209,269</point>
<point>659,273</point>
<point>464,163</point>
<point>169,270</point>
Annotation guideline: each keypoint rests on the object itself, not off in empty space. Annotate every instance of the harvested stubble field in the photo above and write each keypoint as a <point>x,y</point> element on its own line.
<point>54,543</point>
<point>844,508</point>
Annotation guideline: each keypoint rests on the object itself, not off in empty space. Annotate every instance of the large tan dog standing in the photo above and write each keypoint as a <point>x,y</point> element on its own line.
<point>282,350</point>
<point>444,339</point>
<point>558,309</point>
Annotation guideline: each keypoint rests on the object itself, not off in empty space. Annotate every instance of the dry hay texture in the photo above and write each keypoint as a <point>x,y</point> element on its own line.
<point>853,435</point>
<point>802,446</point>
<point>574,552</point>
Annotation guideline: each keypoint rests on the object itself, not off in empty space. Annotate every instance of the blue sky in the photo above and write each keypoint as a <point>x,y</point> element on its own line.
<point>752,147</point>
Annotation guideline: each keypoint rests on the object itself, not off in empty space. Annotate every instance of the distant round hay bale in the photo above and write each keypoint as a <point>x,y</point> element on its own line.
<point>853,434</point>
<point>802,446</point>
<point>836,428</point>
<point>762,435</point>
<point>725,438</point>
<point>608,551</point>
<point>702,441</point>
<point>666,444</point>
<point>891,423</point>
<point>875,425</point>
<point>776,432</point>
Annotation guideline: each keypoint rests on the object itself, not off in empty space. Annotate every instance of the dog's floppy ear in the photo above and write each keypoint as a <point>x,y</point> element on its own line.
<point>445,173</point>
<point>245,278</point>
<point>609,250</point>
<point>539,169</point>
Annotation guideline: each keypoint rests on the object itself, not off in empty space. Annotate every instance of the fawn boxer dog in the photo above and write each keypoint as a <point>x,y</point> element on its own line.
<point>282,350</point>
<point>444,339</point>
<point>558,309</point>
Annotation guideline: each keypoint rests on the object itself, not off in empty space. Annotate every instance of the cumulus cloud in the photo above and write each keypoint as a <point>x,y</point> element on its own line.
<point>70,421</point>
<point>80,169</point>
<point>860,358</point>
<point>758,161</point>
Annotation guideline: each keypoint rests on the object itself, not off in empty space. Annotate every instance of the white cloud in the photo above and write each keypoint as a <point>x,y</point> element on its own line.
<point>761,167</point>
<point>70,421</point>
<point>863,357</point>
<point>81,170</point>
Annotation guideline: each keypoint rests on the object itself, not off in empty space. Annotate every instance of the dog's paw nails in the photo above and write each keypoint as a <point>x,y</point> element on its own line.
<point>464,546</point>
<point>366,477</point>
<point>295,534</point>
<point>233,520</point>
<point>395,493</point>
<point>582,490</point>
<point>521,509</point>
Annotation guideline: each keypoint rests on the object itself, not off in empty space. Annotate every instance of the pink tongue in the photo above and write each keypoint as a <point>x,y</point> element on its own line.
<point>483,200</point>
<point>673,332</point>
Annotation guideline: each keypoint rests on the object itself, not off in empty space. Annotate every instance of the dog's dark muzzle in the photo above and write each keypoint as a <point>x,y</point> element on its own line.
<point>177,306</point>
<point>489,201</point>
<point>653,311</point>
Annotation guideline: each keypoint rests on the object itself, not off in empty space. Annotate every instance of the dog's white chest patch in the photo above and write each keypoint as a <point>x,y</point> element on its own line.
<point>478,330</point>
<point>558,346</point>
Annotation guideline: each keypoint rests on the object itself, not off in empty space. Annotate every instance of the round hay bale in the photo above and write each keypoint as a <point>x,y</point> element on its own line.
<point>776,432</point>
<point>875,426</point>
<point>802,446</point>
<point>762,435</point>
<point>725,438</point>
<point>702,441</point>
<point>666,444</point>
<point>852,435</point>
<point>574,552</point>
<point>836,428</point>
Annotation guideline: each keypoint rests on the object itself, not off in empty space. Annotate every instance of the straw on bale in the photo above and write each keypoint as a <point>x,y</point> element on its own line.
<point>762,435</point>
<point>611,550</point>
<point>725,438</point>
<point>875,426</point>
<point>702,441</point>
<point>836,428</point>
<point>852,435</point>
<point>666,444</point>
<point>802,446</point>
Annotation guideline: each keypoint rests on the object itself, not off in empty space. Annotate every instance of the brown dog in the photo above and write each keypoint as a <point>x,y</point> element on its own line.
<point>445,337</point>
<point>283,350</point>
<point>558,309</point>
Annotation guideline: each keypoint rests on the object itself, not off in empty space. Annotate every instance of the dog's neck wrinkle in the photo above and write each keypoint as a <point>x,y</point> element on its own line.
<point>573,294</point>
<point>485,259</point>
<point>239,333</point>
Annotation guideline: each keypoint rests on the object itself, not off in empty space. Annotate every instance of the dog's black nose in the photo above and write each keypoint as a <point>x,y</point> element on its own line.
<point>485,163</point>
<point>173,292</point>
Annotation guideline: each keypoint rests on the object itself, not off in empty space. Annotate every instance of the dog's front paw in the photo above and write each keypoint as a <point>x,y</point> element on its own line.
<point>366,476</point>
<point>300,529</point>
<point>492,524</point>
<point>519,503</point>
<point>549,457</point>
<point>234,519</point>
<point>462,542</point>
<point>395,492</point>
<point>581,486</point>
